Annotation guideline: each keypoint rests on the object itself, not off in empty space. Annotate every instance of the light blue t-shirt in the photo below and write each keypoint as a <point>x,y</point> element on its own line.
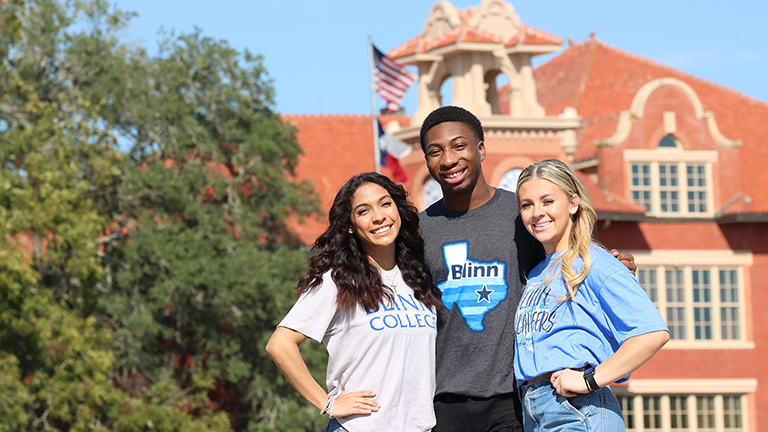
<point>609,308</point>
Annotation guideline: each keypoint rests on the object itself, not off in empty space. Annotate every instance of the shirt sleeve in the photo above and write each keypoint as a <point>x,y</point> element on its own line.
<point>313,313</point>
<point>628,309</point>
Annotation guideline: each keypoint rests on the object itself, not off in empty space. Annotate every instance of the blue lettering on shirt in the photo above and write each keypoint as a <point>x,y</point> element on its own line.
<point>401,312</point>
<point>534,314</point>
<point>476,287</point>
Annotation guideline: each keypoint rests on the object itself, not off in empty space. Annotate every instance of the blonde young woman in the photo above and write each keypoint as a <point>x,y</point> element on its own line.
<point>368,297</point>
<point>583,322</point>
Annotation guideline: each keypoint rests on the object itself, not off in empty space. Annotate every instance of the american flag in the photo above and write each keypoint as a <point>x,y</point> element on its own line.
<point>391,79</point>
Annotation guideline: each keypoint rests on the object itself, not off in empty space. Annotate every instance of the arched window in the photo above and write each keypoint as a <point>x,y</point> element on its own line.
<point>446,92</point>
<point>668,141</point>
<point>432,192</point>
<point>509,179</point>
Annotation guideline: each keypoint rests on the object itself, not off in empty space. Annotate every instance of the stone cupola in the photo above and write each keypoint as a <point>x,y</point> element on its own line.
<point>472,47</point>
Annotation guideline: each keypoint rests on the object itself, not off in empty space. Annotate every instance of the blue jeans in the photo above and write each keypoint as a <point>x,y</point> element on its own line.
<point>334,426</point>
<point>546,411</point>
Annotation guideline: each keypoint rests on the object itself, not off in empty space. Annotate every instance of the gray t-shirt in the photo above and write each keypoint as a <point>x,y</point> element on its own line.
<point>390,351</point>
<point>479,261</point>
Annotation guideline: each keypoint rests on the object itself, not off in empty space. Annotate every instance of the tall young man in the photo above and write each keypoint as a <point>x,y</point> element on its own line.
<point>479,254</point>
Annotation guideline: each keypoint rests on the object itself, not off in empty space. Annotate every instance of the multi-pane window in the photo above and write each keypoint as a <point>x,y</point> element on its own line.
<point>698,303</point>
<point>689,412</point>
<point>671,188</point>
<point>702,304</point>
<point>675,303</point>
<point>659,187</point>
<point>678,412</point>
<point>641,185</point>
<point>647,279</point>
<point>729,304</point>
<point>705,412</point>
<point>732,412</point>
<point>696,176</point>
<point>652,412</point>
<point>627,404</point>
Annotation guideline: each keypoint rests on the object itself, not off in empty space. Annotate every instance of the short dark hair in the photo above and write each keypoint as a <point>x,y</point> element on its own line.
<point>450,114</point>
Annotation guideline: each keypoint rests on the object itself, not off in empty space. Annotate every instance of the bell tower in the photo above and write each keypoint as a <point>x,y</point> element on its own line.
<point>472,48</point>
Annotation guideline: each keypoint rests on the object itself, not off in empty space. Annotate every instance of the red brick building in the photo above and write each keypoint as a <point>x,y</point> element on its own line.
<point>674,164</point>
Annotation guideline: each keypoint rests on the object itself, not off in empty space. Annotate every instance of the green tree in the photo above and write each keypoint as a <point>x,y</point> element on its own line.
<point>207,265</point>
<point>137,289</point>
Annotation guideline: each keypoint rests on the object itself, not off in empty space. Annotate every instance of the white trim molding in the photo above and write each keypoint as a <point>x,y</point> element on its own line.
<point>688,386</point>
<point>681,257</point>
<point>638,106</point>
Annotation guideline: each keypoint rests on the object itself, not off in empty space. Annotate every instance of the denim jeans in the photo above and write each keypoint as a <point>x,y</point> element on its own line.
<point>334,426</point>
<point>546,411</point>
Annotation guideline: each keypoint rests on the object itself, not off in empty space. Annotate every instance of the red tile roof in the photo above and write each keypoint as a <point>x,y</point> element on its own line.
<point>532,36</point>
<point>604,202</point>
<point>336,147</point>
<point>464,33</point>
<point>600,81</point>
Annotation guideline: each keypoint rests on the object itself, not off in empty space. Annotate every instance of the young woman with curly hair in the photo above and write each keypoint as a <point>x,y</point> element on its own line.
<point>583,321</point>
<point>368,297</point>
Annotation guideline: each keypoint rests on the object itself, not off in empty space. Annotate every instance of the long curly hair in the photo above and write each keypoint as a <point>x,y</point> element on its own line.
<point>581,237</point>
<point>357,280</point>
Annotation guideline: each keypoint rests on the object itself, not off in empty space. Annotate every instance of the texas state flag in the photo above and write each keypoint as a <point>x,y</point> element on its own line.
<point>392,150</point>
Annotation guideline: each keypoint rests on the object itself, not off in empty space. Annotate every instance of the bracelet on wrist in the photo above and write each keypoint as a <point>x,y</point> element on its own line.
<point>328,405</point>
<point>589,379</point>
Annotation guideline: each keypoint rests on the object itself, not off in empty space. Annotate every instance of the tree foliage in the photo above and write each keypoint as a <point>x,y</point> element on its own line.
<point>145,256</point>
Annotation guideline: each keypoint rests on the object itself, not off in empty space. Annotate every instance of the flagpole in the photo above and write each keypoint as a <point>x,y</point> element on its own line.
<point>374,120</point>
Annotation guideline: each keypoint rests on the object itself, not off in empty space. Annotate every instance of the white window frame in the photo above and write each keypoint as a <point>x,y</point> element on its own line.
<point>688,260</point>
<point>691,389</point>
<point>681,158</point>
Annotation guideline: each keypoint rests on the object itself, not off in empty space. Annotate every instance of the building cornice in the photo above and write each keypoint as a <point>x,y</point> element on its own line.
<point>742,218</point>
<point>533,49</point>
<point>692,386</point>
<point>510,128</point>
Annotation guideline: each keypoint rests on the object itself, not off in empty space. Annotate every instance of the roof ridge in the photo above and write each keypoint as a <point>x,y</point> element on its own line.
<point>324,115</point>
<point>487,33</point>
<point>656,63</point>
<point>538,31</point>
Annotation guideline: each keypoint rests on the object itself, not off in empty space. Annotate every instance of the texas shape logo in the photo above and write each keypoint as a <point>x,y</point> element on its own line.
<point>475,286</point>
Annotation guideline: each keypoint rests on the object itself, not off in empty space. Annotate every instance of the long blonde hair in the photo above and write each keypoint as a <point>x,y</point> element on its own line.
<point>580,239</point>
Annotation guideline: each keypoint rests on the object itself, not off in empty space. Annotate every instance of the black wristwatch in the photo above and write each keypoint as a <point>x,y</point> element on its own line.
<point>589,378</point>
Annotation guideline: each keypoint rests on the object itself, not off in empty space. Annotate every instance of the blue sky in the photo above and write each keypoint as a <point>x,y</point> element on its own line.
<point>316,52</point>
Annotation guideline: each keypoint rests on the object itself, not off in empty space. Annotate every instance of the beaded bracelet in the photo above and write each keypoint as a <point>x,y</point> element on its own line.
<point>327,406</point>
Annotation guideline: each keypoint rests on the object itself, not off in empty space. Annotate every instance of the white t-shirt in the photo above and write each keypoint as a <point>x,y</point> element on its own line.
<point>390,351</point>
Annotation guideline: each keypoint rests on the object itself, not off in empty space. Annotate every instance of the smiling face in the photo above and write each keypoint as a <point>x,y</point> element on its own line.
<point>547,213</point>
<point>375,220</point>
<point>453,154</point>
